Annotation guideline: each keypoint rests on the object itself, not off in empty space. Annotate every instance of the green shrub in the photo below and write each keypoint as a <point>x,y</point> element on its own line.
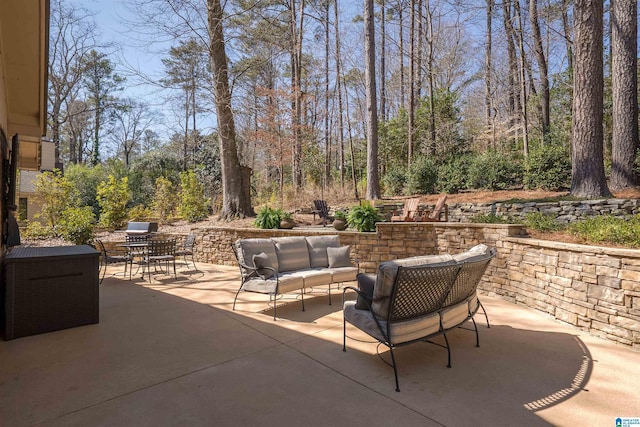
<point>394,181</point>
<point>139,213</point>
<point>607,228</point>
<point>193,205</point>
<point>35,230</point>
<point>495,171</point>
<point>113,196</point>
<point>453,173</point>
<point>542,222</point>
<point>76,225</point>
<point>363,217</point>
<point>340,214</point>
<point>55,194</point>
<point>164,200</point>
<point>548,167</point>
<point>493,219</point>
<point>422,176</point>
<point>268,218</point>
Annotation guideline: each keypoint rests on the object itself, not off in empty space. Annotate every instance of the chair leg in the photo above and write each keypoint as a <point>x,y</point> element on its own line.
<point>395,369</point>
<point>448,350</point>
<point>485,313</point>
<point>329,293</point>
<point>476,329</point>
<point>344,334</point>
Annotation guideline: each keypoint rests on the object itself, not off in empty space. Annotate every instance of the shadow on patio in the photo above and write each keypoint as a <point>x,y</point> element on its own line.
<point>174,353</point>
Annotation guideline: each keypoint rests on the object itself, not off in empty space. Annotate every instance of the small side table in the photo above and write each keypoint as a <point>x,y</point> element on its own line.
<point>49,288</point>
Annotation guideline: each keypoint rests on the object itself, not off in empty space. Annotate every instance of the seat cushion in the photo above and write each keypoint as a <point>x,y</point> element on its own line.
<point>310,278</point>
<point>317,246</point>
<point>292,253</point>
<point>400,332</point>
<point>342,274</point>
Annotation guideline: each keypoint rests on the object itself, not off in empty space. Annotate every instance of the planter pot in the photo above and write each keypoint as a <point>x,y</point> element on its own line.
<point>340,224</point>
<point>287,224</point>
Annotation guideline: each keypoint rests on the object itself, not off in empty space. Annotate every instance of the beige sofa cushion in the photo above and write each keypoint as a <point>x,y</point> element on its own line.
<point>317,246</point>
<point>292,253</point>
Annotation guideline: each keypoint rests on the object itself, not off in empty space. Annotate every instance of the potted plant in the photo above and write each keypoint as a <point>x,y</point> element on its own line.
<point>340,220</point>
<point>363,217</point>
<point>286,220</point>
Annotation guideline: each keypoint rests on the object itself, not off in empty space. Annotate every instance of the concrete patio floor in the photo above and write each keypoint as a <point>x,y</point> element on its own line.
<point>173,353</point>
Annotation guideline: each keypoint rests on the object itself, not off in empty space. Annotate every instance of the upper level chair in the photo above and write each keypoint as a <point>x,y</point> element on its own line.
<point>112,257</point>
<point>439,210</point>
<point>187,250</point>
<point>321,208</point>
<point>409,212</point>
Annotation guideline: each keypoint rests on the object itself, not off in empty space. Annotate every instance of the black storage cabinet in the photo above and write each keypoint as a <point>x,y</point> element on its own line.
<point>46,289</point>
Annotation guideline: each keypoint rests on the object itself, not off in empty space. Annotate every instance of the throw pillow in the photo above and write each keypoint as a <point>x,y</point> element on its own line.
<point>366,282</point>
<point>260,261</point>
<point>339,257</point>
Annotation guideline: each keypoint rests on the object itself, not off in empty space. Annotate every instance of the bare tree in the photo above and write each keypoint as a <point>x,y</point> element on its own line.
<point>72,37</point>
<point>131,121</point>
<point>542,66</point>
<point>624,84</point>
<point>373,184</point>
<point>587,172</point>
<point>236,195</point>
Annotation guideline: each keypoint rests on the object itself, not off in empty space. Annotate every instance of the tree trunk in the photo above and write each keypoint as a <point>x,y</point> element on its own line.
<point>488,113</point>
<point>339,90</point>
<point>513,104</point>
<point>236,197</point>
<point>587,172</point>
<point>400,25</point>
<point>412,102</point>
<point>624,80</point>
<point>523,81</point>
<point>373,184</point>
<point>542,65</point>
<point>383,60</point>
<point>327,140</point>
<point>432,87</point>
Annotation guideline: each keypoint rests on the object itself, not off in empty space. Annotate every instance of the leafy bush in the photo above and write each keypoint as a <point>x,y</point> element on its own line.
<point>113,196</point>
<point>495,171</point>
<point>453,174</point>
<point>542,222</point>
<point>394,181</point>
<point>139,213</point>
<point>363,217</point>
<point>55,194</point>
<point>164,200</point>
<point>548,167</point>
<point>340,214</point>
<point>35,230</point>
<point>77,225</point>
<point>268,218</point>
<point>193,205</point>
<point>493,219</point>
<point>608,228</point>
<point>422,176</point>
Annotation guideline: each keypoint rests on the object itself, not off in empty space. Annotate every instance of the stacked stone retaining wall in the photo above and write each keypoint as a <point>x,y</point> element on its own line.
<point>564,211</point>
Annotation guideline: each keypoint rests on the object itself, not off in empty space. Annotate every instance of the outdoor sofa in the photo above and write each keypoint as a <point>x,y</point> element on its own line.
<point>415,299</point>
<point>281,265</point>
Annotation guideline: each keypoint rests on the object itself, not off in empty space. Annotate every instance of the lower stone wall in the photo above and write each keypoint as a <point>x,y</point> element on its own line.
<point>593,288</point>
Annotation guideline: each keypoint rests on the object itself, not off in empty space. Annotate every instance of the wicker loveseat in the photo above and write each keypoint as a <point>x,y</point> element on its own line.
<point>415,299</point>
<point>281,265</point>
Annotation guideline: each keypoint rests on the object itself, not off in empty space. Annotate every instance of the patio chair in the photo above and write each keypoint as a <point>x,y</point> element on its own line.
<point>440,209</point>
<point>187,250</point>
<point>409,212</point>
<point>109,258</point>
<point>321,208</point>
<point>161,252</point>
